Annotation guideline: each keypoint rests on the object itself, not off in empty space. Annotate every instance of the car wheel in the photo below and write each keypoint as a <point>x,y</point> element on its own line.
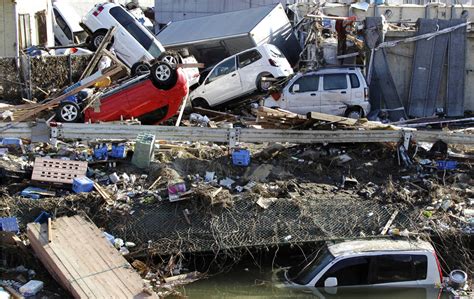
<point>140,68</point>
<point>264,86</point>
<point>170,58</point>
<point>201,103</point>
<point>354,113</point>
<point>163,75</point>
<point>68,112</point>
<point>96,39</point>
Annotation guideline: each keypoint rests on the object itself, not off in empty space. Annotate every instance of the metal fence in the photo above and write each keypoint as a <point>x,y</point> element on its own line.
<point>32,77</point>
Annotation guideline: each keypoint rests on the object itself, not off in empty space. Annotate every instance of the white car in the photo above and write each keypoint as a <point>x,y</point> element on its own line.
<point>364,263</point>
<point>133,43</point>
<point>241,74</point>
<point>66,25</point>
<point>339,91</point>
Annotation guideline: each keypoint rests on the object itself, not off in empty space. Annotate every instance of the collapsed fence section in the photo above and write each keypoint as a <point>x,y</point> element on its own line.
<point>33,77</point>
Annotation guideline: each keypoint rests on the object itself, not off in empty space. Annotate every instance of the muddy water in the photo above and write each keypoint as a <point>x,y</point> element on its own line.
<point>256,283</point>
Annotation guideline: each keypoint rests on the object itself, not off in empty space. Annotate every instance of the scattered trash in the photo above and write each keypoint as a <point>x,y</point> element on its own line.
<point>82,184</point>
<point>31,288</point>
<point>9,224</point>
<point>176,190</point>
<point>241,157</point>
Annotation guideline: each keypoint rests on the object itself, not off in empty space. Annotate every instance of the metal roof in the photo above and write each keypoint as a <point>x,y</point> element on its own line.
<point>378,245</point>
<point>236,23</point>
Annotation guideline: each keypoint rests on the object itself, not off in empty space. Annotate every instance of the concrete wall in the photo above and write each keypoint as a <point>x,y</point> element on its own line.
<point>176,10</point>
<point>400,60</point>
<point>31,8</point>
<point>7,28</point>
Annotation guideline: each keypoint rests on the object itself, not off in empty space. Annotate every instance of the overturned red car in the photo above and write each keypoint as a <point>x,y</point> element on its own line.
<point>151,98</point>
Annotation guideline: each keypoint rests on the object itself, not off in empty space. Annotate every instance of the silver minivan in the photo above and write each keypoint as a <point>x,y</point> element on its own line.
<point>338,91</point>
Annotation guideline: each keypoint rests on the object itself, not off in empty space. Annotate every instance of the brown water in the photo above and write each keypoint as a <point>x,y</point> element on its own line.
<point>257,283</point>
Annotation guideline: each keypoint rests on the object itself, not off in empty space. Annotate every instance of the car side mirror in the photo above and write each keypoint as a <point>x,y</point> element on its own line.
<point>330,282</point>
<point>296,88</point>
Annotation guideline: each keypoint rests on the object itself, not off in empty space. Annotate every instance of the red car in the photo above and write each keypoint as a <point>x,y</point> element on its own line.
<point>151,99</point>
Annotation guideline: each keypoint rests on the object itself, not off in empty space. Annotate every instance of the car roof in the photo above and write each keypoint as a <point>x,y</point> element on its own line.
<point>370,245</point>
<point>333,70</point>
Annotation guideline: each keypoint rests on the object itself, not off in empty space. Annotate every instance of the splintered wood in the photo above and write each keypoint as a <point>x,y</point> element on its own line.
<point>83,261</point>
<point>58,171</point>
<point>269,118</point>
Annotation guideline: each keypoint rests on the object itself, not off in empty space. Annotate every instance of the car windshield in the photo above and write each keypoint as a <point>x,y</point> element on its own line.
<point>303,273</point>
<point>81,36</point>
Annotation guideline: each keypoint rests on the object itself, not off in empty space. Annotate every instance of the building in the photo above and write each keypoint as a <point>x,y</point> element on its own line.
<point>24,23</point>
<point>176,10</point>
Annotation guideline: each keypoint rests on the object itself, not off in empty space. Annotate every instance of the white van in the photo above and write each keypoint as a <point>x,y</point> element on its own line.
<point>66,28</point>
<point>133,43</point>
<point>241,74</point>
<point>338,91</point>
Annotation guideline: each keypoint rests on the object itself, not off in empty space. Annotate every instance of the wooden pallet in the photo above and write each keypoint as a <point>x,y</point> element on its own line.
<point>83,261</point>
<point>58,171</point>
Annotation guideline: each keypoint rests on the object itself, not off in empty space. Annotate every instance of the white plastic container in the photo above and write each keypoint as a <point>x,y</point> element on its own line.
<point>31,288</point>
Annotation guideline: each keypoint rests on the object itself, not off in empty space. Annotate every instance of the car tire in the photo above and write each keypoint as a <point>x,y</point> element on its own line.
<point>263,86</point>
<point>170,58</point>
<point>354,113</point>
<point>200,103</point>
<point>140,68</point>
<point>163,75</point>
<point>69,112</point>
<point>96,39</point>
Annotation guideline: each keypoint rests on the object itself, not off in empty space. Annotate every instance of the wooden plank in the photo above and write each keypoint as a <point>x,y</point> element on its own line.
<point>84,262</point>
<point>98,53</point>
<point>89,259</point>
<point>331,118</point>
<point>53,263</point>
<point>389,222</point>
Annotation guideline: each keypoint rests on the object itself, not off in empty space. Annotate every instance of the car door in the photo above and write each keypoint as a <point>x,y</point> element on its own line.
<point>223,83</point>
<point>335,94</point>
<point>303,95</point>
<point>249,67</point>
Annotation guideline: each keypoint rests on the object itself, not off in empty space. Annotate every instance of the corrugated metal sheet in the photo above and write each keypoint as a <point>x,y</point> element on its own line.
<point>229,24</point>
<point>177,10</point>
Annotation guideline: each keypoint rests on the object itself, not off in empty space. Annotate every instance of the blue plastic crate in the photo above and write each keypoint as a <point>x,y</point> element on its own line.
<point>118,151</point>
<point>241,157</point>
<point>12,141</point>
<point>82,184</point>
<point>9,224</point>
<point>447,165</point>
<point>100,152</point>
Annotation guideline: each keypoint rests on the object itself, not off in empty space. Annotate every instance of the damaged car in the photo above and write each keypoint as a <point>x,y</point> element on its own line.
<point>241,74</point>
<point>340,91</point>
<point>151,99</point>
<point>350,266</point>
<point>133,43</point>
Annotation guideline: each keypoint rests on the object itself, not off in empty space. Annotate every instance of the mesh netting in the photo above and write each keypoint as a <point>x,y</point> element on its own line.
<point>244,224</point>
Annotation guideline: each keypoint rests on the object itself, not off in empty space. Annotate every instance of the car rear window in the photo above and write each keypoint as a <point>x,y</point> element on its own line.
<point>399,267</point>
<point>335,81</point>
<point>248,58</point>
<point>354,81</point>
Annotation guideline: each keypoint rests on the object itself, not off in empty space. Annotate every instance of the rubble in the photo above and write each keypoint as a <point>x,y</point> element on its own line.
<point>233,179</point>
